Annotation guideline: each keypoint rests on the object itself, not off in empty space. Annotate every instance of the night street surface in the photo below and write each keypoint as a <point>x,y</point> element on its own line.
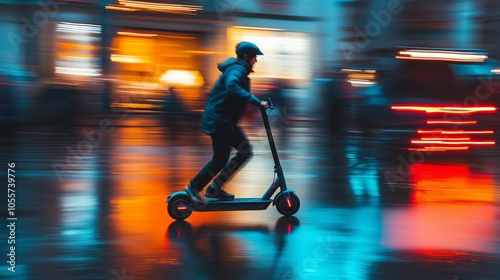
<point>90,204</point>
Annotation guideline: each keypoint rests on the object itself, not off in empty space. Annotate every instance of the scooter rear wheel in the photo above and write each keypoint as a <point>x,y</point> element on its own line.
<point>287,206</point>
<point>178,208</point>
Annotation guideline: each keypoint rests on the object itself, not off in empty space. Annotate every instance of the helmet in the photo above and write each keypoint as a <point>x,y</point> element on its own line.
<point>247,48</point>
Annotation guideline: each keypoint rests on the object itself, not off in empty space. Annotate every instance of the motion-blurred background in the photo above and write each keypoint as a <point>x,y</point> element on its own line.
<point>386,123</point>
<point>331,60</point>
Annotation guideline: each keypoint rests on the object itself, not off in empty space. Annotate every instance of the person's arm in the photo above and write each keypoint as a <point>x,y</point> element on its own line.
<point>233,84</point>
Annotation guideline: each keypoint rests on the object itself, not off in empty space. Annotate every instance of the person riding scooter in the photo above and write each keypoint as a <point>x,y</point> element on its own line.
<point>225,106</point>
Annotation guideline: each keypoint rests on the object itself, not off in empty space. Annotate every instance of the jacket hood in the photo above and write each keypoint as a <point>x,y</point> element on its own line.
<point>234,61</point>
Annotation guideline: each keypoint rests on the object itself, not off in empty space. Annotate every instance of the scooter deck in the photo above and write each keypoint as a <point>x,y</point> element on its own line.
<point>214,204</point>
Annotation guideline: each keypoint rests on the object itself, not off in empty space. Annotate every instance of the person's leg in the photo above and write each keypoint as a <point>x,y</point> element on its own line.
<point>242,145</point>
<point>245,152</point>
<point>221,152</point>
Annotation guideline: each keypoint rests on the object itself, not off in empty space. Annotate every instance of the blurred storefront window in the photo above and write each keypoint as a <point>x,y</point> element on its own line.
<point>287,54</point>
<point>77,48</point>
<point>148,63</point>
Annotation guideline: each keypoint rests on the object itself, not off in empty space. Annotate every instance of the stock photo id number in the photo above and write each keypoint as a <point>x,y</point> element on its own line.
<point>11,219</point>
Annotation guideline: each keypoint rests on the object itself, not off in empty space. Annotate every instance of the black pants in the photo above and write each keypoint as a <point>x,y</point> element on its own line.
<point>219,164</point>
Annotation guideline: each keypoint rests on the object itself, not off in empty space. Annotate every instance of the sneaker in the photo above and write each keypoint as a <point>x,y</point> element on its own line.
<point>214,191</point>
<point>194,195</point>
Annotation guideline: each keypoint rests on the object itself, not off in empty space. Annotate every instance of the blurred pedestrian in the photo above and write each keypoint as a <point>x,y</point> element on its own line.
<point>172,104</point>
<point>225,106</point>
<point>172,112</point>
<point>278,94</point>
<point>332,96</point>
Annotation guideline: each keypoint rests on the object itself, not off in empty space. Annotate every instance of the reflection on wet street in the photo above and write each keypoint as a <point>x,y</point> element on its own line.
<point>91,205</point>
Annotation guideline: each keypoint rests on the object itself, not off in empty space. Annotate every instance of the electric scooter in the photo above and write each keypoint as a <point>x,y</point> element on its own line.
<point>180,206</point>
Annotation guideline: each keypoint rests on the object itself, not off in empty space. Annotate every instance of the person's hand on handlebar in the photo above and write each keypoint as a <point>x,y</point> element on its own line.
<point>264,104</point>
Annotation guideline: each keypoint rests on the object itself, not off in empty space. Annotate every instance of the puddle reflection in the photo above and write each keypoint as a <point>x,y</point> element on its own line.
<point>452,208</point>
<point>229,250</point>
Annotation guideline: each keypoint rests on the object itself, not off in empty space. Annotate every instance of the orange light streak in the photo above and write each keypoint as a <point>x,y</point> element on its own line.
<point>452,110</point>
<point>118,8</point>
<point>450,122</point>
<point>135,34</point>
<point>169,8</point>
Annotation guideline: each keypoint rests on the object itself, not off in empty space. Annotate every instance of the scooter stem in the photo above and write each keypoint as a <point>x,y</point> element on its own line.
<point>277,165</point>
<point>270,137</point>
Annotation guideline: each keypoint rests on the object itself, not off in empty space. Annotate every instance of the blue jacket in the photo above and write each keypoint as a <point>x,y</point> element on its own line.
<point>228,99</point>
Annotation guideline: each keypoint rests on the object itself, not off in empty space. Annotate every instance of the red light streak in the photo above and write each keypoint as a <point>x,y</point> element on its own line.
<point>456,131</point>
<point>454,143</point>
<point>288,202</point>
<point>446,143</point>
<point>439,149</point>
<point>450,122</point>
<point>444,139</point>
<point>452,110</point>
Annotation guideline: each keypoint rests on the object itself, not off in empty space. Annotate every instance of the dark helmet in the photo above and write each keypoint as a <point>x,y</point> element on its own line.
<point>247,48</point>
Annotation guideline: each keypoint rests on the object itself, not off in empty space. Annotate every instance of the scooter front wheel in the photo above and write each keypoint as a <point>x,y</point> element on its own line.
<point>287,205</point>
<point>178,207</point>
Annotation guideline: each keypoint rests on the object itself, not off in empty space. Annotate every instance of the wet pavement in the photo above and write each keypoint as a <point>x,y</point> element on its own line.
<point>90,204</point>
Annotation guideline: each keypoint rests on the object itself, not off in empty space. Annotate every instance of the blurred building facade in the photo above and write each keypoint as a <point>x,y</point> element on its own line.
<point>150,46</point>
<point>450,24</point>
